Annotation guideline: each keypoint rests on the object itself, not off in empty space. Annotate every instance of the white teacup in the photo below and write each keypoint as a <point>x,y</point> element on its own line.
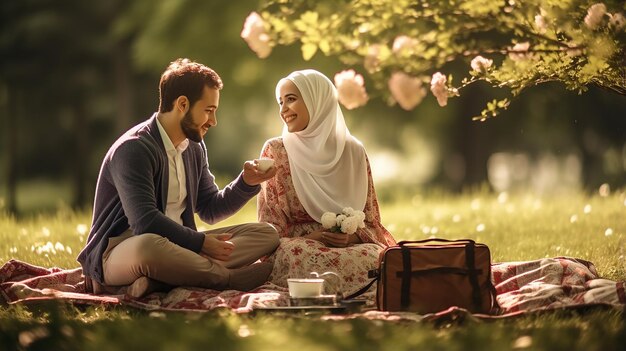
<point>313,286</point>
<point>309,287</point>
<point>263,164</point>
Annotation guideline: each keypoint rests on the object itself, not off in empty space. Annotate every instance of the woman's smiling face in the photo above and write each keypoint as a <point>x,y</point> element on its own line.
<point>293,110</point>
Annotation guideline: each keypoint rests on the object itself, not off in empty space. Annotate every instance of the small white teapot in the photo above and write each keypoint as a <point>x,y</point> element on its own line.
<point>330,287</point>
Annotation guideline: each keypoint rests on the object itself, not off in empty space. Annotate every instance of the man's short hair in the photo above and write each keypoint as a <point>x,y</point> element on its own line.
<point>184,77</point>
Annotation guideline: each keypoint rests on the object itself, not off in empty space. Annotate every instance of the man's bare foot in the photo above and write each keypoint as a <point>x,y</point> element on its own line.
<point>144,286</point>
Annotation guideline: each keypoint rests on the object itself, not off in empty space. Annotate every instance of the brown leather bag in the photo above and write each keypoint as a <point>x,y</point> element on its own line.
<point>432,275</point>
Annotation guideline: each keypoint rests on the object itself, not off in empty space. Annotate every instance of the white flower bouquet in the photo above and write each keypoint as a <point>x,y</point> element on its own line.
<point>348,221</point>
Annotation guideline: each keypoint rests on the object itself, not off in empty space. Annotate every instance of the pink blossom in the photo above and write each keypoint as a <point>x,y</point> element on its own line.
<point>617,20</point>
<point>255,35</point>
<point>351,89</point>
<point>406,90</point>
<point>403,43</point>
<point>594,15</point>
<point>574,52</point>
<point>541,23</point>
<point>481,64</point>
<point>371,61</point>
<point>439,89</point>
<point>573,49</point>
<point>517,56</point>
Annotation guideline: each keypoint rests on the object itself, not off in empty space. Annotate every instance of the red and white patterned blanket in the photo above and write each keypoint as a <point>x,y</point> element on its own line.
<point>521,286</point>
<point>552,283</point>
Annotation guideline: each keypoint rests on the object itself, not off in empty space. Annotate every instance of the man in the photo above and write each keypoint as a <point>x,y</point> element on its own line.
<point>152,181</point>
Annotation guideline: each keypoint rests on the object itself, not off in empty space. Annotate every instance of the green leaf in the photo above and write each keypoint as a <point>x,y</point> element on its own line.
<point>324,46</point>
<point>310,17</point>
<point>308,50</point>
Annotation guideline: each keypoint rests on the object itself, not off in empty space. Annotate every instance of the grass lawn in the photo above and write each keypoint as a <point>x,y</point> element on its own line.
<point>515,226</point>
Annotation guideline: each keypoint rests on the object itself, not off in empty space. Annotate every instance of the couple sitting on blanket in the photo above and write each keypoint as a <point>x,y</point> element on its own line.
<point>156,177</point>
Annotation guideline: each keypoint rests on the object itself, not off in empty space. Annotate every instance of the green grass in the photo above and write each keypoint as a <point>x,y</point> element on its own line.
<point>516,227</point>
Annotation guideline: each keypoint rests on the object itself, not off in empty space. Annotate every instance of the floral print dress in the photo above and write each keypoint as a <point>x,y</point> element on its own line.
<point>296,257</point>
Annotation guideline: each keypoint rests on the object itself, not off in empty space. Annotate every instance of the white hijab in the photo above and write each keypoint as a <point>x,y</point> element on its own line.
<point>327,163</point>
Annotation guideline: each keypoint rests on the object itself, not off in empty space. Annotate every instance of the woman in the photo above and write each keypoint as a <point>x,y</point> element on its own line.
<point>320,168</point>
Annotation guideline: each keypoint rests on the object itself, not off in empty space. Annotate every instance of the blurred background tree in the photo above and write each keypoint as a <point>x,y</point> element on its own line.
<point>76,74</point>
<point>403,46</point>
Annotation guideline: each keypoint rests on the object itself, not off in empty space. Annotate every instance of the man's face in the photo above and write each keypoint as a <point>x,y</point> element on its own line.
<point>201,116</point>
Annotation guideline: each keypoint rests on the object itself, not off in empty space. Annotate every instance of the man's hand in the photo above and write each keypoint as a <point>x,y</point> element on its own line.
<point>252,176</point>
<point>217,246</point>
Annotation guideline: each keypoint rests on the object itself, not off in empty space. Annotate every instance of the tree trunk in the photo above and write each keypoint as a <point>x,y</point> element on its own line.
<point>81,151</point>
<point>123,86</point>
<point>472,140</point>
<point>11,108</point>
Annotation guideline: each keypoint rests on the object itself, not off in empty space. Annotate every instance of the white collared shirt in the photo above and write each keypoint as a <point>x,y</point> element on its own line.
<point>177,185</point>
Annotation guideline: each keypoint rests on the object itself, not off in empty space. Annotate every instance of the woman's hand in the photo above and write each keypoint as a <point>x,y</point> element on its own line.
<point>334,239</point>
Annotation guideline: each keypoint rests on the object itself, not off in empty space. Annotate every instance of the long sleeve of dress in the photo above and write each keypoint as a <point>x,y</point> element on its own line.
<point>269,198</point>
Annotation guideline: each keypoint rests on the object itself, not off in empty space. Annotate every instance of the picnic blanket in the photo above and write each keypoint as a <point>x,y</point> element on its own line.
<point>549,283</point>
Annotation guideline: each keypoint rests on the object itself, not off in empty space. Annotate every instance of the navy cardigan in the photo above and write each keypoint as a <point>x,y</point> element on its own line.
<point>132,193</point>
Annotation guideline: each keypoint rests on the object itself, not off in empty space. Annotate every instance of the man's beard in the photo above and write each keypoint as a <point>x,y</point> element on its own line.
<point>189,128</point>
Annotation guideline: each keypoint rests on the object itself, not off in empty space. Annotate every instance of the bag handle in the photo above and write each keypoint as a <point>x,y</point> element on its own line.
<point>470,262</point>
<point>362,290</point>
<point>372,273</point>
<point>409,242</point>
<point>405,287</point>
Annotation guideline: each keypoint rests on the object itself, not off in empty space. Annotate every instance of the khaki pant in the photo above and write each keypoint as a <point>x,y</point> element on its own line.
<point>129,257</point>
